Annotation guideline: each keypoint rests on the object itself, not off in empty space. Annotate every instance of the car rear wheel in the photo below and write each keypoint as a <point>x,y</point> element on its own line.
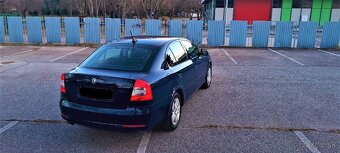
<point>174,114</point>
<point>208,79</point>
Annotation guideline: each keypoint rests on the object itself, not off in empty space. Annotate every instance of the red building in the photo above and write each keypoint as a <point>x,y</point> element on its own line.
<point>273,10</point>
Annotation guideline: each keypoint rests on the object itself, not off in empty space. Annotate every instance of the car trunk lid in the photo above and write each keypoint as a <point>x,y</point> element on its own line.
<point>100,88</point>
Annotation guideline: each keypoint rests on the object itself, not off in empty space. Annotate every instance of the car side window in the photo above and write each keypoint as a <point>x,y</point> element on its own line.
<point>179,52</point>
<point>170,58</point>
<point>191,49</point>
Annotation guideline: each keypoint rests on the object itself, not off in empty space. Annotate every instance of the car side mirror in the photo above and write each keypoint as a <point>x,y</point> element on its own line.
<point>202,52</point>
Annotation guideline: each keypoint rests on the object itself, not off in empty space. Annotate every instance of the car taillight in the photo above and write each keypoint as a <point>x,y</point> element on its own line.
<point>141,91</point>
<point>62,84</point>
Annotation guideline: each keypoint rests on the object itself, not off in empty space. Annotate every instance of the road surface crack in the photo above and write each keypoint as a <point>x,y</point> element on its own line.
<point>336,131</point>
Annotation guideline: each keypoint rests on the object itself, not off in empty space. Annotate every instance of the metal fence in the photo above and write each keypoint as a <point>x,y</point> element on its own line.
<point>74,30</point>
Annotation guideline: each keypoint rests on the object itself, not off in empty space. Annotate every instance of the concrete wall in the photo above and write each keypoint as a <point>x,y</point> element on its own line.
<point>276,14</point>
<point>219,14</point>
<point>301,14</point>
<point>335,15</point>
<point>305,14</point>
<point>230,15</point>
<point>295,14</point>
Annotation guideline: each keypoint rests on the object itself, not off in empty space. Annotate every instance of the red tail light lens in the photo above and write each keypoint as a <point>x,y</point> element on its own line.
<point>62,84</point>
<point>141,91</point>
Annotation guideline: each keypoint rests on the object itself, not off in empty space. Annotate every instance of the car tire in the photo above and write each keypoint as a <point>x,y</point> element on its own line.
<point>208,78</point>
<point>174,114</point>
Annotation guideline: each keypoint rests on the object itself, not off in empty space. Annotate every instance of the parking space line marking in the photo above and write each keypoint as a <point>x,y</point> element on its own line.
<point>297,62</point>
<point>68,54</point>
<point>9,125</point>
<point>26,51</point>
<point>144,142</point>
<point>329,53</point>
<point>229,56</point>
<point>305,140</point>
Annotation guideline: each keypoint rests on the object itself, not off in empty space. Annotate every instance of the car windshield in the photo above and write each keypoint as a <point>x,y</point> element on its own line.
<point>122,57</point>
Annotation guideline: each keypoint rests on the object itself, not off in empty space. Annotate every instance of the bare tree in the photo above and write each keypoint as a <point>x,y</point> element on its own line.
<point>151,7</point>
<point>29,5</point>
<point>104,8</point>
<point>68,5</point>
<point>171,7</point>
<point>81,6</point>
<point>115,8</point>
<point>120,8</point>
<point>90,7</point>
<point>97,6</point>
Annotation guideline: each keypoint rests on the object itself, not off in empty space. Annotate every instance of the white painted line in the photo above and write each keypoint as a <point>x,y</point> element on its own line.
<point>305,140</point>
<point>144,142</point>
<point>231,58</point>
<point>286,57</point>
<point>329,53</point>
<point>26,51</point>
<point>9,125</point>
<point>68,54</point>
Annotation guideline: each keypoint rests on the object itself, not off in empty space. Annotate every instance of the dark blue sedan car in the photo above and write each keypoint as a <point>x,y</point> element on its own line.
<point>135,83</point>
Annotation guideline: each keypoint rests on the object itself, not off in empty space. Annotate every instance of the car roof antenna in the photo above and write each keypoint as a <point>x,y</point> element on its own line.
<point>134,40</point>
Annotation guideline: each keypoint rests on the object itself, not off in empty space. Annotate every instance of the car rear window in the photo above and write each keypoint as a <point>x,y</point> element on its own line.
<point>122,57</point>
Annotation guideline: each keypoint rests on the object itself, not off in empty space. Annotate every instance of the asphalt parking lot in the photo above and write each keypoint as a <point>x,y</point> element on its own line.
<point>260,100</point>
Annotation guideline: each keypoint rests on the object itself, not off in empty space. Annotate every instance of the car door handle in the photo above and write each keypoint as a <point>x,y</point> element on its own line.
<point>195,66</point>
<point>180,75</point>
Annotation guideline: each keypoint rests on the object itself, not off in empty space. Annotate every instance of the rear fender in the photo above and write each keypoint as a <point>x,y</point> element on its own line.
<point>177,88</point>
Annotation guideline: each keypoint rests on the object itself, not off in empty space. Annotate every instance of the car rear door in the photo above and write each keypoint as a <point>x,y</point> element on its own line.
<point>184,68</point>
<point>200,64</point>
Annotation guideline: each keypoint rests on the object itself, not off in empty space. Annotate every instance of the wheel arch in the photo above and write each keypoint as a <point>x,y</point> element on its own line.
<point>181,94</point>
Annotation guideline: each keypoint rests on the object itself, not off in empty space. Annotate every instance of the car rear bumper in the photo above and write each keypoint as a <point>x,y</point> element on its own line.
<point>134,118</point>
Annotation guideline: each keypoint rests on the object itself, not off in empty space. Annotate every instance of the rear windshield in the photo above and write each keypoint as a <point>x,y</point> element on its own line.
<point>122,57</point>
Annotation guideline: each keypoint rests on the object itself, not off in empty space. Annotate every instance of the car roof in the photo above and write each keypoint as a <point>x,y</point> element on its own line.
<point>157,41</point>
